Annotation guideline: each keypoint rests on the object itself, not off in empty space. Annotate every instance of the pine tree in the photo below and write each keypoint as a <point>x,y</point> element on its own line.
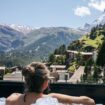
<point>96,74</point>
<point>51,59</point>
<point>101,59</point>
<point>87,70</point>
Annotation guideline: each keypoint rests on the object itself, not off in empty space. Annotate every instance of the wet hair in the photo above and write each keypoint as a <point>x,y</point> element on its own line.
<point>35,75</point>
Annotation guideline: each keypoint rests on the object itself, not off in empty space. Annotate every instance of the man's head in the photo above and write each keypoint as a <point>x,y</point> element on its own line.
<point>36,77</point>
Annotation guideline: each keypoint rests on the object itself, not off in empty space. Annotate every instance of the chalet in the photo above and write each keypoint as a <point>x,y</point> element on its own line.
<point>58,55</point>
<point>59,73</point>
<point>72,54</point>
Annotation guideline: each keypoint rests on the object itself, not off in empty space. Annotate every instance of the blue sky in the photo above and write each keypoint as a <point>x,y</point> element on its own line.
<point>48,13</point>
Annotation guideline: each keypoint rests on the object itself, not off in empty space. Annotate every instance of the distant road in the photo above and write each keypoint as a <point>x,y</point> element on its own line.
<point>77,75</point>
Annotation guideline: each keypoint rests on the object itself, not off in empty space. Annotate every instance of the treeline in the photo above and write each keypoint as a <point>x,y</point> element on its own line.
<point>80,45</point>
<point>94,71</point>
<point>58,56</point>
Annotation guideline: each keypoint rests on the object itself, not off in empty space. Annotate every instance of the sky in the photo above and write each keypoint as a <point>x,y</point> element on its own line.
<point>50,13</point>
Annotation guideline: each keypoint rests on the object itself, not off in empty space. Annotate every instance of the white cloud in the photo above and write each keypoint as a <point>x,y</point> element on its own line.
<point>82,11</point>
<point>97,4</point>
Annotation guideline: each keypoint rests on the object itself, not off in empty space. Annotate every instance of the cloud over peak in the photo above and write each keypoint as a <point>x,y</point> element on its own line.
<point>82,11</point>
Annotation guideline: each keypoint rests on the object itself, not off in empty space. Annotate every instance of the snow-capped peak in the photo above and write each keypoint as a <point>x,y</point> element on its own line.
<point>100,19</point>
<point>22,28</point>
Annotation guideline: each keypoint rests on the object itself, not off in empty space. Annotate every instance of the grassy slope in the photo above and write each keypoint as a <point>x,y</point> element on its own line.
<point>94,43</point>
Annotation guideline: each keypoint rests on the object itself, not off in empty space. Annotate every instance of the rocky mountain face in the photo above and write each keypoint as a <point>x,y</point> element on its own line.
<point>10,38</point>
<point>40,43</point>
<point>99,21</point>
<point>21,28</point>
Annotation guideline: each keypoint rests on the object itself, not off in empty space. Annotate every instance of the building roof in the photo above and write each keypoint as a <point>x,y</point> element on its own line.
<point>58,66</point>
<point>58,55</point>
<point>83,53</point>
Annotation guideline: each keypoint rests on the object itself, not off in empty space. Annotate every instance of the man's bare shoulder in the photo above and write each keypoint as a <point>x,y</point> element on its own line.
<point>13,98</point>
<point>56,95</point>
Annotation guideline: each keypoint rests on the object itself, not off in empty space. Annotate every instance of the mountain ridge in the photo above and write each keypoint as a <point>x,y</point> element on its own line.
<point>21,28</point>
<point>42,41</point>
<point>98,21</point>
<point>37,44</point>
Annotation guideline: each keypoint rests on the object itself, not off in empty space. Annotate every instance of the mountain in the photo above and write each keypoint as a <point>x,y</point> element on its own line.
<point>41,42</point>
<point>36,45</point>
<point>99,21</point>
<point>21,28</point>
<point>9,38</point>
<point>51,32</point>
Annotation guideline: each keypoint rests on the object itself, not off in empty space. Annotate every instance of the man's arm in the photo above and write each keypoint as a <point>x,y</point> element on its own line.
<point>73,99</point>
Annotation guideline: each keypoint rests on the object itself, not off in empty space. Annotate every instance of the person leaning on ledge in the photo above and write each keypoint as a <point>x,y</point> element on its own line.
<point>36,79</point>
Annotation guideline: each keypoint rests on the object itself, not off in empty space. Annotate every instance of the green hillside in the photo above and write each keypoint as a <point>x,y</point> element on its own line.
<point>90,41</point>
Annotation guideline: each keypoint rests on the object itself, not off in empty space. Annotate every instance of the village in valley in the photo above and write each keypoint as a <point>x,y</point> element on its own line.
<point>58,73</point>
